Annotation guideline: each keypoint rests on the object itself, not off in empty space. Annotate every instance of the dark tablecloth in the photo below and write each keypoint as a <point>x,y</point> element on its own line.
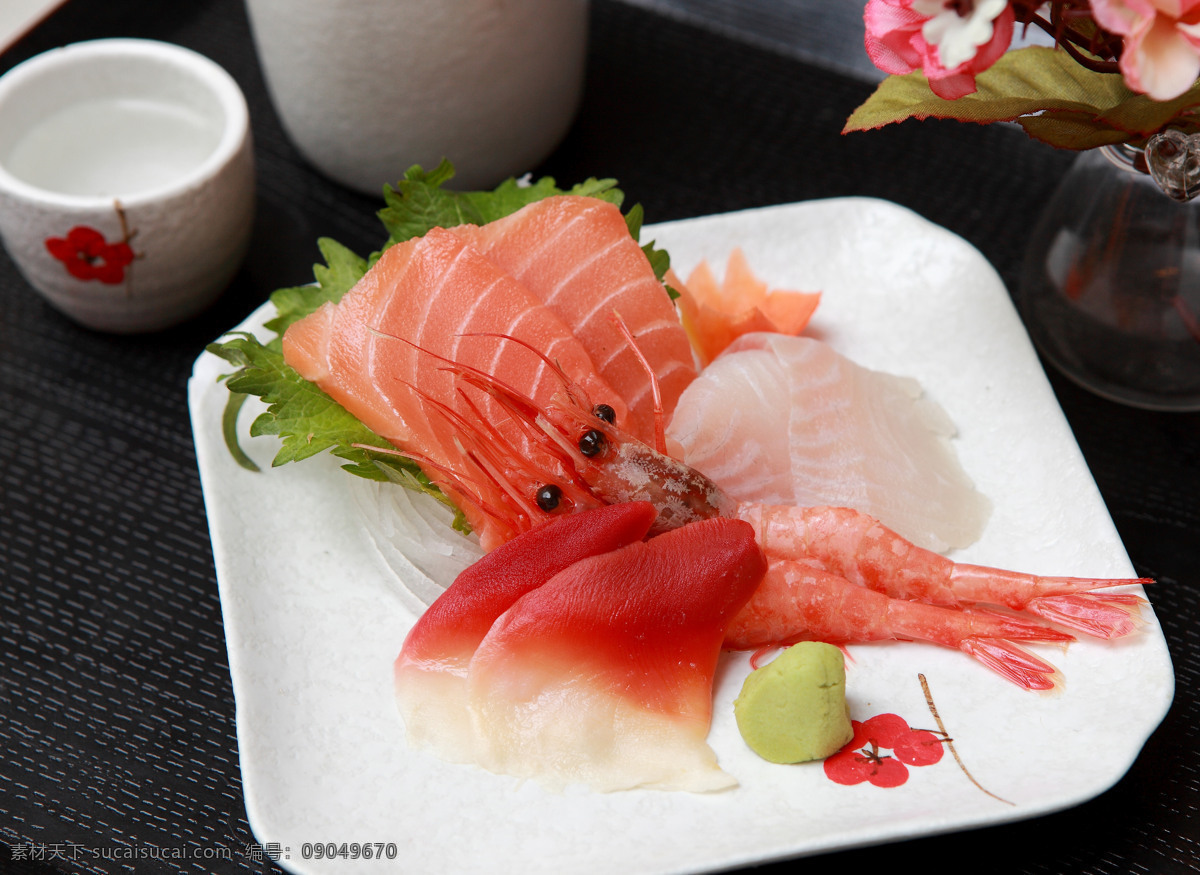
<point>116,712</point>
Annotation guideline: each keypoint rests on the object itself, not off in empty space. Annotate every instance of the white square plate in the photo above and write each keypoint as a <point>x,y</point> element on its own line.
<point>314,616</point>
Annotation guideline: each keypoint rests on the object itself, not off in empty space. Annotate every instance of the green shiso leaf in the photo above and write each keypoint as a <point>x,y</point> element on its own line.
<point>229,430</point>
<point>659,259</point>
<point>342,269</point>
<point>419,203</point>
<point>306,420</point>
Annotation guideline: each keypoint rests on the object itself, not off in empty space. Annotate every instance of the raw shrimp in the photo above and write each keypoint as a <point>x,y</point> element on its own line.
<point>864,551</point>
<point>835,574</point>
<point>613,465</point>
<point>801,601</point>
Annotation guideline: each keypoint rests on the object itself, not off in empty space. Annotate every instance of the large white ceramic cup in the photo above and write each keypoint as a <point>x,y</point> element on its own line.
<point>367,88</point>
<point>126,180</point>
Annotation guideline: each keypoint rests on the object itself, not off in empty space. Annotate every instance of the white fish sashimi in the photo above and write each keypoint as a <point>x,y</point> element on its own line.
<point>777,419</point>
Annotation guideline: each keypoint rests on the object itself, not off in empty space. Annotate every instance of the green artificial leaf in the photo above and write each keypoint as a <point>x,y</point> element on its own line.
<point>1143,116</point>
<point>1021,82</point>
<point>1134,119</point>
<point>1071,130</point>
<point>1053,97</point>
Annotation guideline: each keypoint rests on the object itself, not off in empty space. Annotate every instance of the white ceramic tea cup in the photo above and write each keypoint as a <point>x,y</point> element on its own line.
<point>126,180</point>
<point>367,88</point>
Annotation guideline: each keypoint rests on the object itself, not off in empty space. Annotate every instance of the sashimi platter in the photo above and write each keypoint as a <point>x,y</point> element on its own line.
<point>551,542</point>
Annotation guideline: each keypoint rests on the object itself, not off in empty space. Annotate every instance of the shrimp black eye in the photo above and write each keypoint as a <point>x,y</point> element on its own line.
<point>605,412</point>
<point>548,497</point>
<point>592,443</point>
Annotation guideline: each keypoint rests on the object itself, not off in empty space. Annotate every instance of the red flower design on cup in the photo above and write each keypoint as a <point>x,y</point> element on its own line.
<point>88,256</point>
<point>863,758</point>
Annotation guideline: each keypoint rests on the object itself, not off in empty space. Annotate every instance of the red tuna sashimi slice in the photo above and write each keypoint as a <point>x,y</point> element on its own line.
<point>603,676</point>
<point>576,255</point>
<point>431,670</point>
<point>788,420</point>
<point>434,291</point>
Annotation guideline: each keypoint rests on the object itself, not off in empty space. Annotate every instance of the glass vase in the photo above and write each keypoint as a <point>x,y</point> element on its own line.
<point>1110,290</point>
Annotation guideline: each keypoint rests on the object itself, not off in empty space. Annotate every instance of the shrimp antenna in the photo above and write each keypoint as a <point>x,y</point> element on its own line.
<point>453,366</point>
<point>572,388</point>
<point>660,435</point>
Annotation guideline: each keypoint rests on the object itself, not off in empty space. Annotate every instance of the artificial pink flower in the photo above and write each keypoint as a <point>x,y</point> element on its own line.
<point>1161,57</point>
<point>951,41</point>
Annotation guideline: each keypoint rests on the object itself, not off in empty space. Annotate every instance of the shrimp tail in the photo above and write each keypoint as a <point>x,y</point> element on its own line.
<point>1068,601</point>
<point>996,624</point>
<point>800,601</point>
<point>1012,663</point>
<point>979,583</point>
<point>1099,614</point>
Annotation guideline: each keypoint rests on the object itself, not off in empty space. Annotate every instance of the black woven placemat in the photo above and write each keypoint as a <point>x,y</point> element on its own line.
<point>116,713</point>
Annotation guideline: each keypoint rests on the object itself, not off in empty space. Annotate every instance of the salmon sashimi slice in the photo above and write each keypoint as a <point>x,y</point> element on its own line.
<point>788,420</point>
<point>431,670</point>
<point>440,294</point>
<point>603,676</point>
<point>577,256</point>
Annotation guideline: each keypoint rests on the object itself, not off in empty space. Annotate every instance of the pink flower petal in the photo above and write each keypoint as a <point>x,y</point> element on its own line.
<point>1161,57</point>
<point>953,87</point>
<point>1163,64</point>
<point>890,32</point>
<point>895,44</point>
<point>1122,17</point>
